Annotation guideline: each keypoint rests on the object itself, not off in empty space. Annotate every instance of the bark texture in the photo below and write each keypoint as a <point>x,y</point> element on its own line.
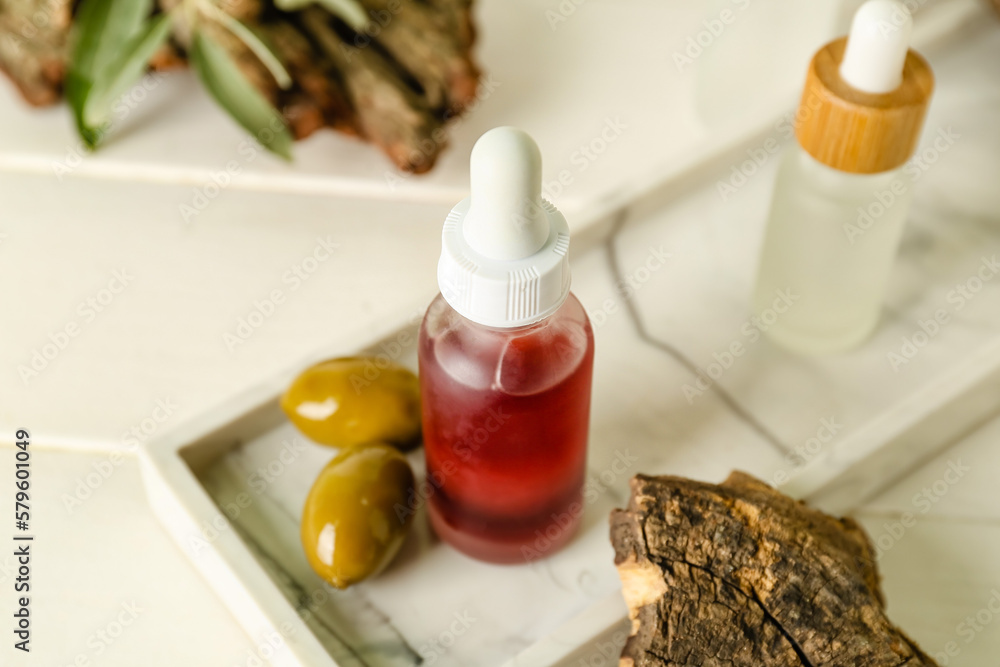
<point>739,574</point>
<point>396,84</point>
<point>33,45</point>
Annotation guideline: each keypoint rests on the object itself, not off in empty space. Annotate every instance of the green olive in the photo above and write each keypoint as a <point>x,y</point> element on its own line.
<point>356,516</point>
<point>343,402</point>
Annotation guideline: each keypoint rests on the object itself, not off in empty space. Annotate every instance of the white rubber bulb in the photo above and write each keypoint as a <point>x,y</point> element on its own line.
<point>506,220</point>
<point>877,46</point>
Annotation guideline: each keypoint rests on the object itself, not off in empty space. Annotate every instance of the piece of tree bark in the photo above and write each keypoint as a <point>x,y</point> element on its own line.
<point>389,112</point>
<point>168,57</point>
<point>318,98</point>
<point>739,574</point>
<point>412,33</point>
<point>455,16</point>
<point>33,43</point>
<point>395,85</point>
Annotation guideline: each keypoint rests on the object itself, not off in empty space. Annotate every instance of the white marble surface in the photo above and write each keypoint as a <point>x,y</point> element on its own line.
<point>161,338</point>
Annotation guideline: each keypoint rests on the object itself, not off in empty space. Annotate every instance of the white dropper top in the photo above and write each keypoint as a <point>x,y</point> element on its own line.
<point>504,249</point>
<point>877,46</point>
<point>506,220</point>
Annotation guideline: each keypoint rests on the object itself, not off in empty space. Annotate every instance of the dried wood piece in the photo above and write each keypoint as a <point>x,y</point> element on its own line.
<point>426,44</point>
<point>395,85</point>
<point>389,112</point>
<point>455,16</point>
<point>167,58</point>
<point>739,574</point>
<point>318,98</point>
<point>33,44</point>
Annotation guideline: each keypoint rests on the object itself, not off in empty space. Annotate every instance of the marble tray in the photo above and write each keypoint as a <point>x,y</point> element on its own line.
<point>230,491</point>
<point>230,487</point>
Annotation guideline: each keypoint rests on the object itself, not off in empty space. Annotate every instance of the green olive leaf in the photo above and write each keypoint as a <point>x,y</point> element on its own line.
<point>234,93</point>
<point>101,29</point>
<point>125,70</point>
<point>253,42</point>
<point>350,12</point>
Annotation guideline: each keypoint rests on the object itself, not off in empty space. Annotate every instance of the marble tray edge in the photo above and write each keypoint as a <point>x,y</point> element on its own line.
<point>188,513</point>
<point>842,478</point>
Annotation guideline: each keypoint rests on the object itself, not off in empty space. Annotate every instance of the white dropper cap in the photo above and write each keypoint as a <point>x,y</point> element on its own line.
<point>876,47</point>
<point>504,249</point>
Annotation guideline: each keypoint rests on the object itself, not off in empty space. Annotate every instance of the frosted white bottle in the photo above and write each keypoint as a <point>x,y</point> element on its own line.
<point>841,198</point>
<point>829,249</point>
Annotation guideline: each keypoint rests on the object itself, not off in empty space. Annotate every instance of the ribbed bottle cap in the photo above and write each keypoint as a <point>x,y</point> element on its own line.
<point>504,250</point>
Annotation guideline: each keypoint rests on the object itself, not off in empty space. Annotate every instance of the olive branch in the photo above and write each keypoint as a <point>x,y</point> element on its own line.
<point>113,42</point>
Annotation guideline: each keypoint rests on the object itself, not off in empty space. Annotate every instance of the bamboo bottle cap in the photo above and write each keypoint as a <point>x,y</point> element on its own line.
<point>859,132</point>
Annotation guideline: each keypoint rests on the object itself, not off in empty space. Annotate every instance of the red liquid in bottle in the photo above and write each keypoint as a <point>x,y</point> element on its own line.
<point>505,415</point>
